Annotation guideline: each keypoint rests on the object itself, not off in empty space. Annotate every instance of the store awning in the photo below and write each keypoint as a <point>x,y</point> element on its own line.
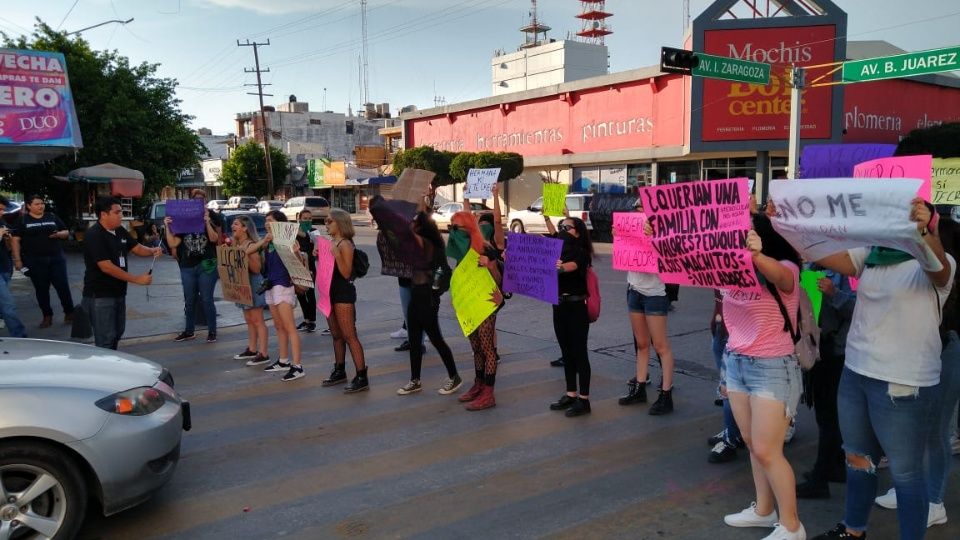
<point>123,182</point>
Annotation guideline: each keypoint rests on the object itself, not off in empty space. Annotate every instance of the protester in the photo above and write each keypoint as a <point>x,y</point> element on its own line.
<point>343,299</point>
<point>8,308</point>
<point>105,248</point>
<point>392,264</point>
<point>282,299</point>
<point>307,298</point>
<point>571,324</point>
<point>763,381</point>
<point>257,351</point>
<point>37,251</point>
<point>648,306</point>
<point>196,254</point>
<point>724,445</point>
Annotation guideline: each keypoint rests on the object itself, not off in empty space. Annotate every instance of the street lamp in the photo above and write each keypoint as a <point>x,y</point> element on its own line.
<point>101,24</point>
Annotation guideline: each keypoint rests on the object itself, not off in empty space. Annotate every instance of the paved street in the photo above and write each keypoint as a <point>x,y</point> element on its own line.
<point>268,459</point>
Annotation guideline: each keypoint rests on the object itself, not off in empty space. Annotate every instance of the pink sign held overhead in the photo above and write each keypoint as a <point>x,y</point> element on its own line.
<point>632,251</point>
<point>920,167</point>
<point>325,267</point>
<point>700,233</point>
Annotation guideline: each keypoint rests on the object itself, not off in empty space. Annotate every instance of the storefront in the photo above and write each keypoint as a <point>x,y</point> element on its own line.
<point>634,128</point>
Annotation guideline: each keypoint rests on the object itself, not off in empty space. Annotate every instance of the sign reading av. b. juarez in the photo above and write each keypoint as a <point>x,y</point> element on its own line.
<point>902,65</point>
<point>700,233</point>
<point>36,106</point>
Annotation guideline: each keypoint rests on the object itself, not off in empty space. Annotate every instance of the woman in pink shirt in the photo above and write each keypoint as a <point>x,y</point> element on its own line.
<point>763,378</point>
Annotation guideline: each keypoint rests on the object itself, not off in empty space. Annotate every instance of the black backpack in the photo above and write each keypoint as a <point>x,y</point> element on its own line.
<point>361,263</point>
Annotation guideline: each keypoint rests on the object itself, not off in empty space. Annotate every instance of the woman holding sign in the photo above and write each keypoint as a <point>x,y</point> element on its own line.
<point>256,353</point>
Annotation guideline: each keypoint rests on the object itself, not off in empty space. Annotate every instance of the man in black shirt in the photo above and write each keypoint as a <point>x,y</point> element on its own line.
<point>105,249</point>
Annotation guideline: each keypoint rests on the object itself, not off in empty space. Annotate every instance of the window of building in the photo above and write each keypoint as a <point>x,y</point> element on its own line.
<point>639,175</point>
<point>349,127</point>
<point>315,122</point>
<point>743,167</point>
<point>678,171</point>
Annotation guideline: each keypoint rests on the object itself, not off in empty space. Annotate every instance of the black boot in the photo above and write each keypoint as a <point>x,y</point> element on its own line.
<point>580,407</point>
<point>359,383</point>
<point>636,393</point>
<point>337,376</point>
<point>664,403</point>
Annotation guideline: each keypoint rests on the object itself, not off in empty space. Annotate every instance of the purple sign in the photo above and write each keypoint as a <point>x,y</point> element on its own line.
<point>838,160</point>
<point>530,266</point>
<point>187,215</point>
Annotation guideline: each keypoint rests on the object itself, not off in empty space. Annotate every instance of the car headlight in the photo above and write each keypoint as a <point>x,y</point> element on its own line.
<point>133,402</point>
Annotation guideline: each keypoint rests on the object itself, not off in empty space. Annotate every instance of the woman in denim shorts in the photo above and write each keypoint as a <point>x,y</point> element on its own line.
<point>244,235</point>
<point>763,380</point>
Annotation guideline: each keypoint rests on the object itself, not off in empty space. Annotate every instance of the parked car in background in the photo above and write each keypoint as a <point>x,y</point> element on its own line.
<point>12,214</point>
<point>446,211</point>
<point>238,202</point>
<point>318,206</point>
<point>217,204</point>
<point>81,424</point>
<point>264,207</point>
<point>259,221</point>
<point>531,219</point>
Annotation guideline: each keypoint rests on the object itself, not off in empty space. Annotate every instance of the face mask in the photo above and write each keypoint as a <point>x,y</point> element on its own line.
<point>565,236</point>
<point>457,244</point>
<point>306,226</point>
<point>486,230</point>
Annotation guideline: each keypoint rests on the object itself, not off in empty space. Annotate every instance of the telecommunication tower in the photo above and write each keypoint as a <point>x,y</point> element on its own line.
<point>595,26</point>
<point>534,29</point>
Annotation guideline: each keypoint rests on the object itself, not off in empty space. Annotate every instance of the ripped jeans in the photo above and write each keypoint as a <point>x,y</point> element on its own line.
<point>874,423</point>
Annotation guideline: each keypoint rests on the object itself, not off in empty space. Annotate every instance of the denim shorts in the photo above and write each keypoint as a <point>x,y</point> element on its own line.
<point>648,305</point>
<point>775,378</point>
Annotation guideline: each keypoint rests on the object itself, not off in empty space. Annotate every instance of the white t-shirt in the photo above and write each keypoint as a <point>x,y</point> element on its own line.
<point>894,334</point>
<point>646,283</point>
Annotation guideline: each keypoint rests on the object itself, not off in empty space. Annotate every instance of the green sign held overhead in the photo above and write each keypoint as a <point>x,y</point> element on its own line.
<point>731,69</point>
<point>902,65</point>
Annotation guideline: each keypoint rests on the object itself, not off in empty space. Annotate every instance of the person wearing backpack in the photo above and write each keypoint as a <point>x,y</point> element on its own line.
<point>343,300</point>
<point>571,322</point>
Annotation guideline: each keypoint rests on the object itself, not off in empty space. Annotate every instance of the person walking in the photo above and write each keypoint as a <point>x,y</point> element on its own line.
<point>343,300</point>
<point>308,297</point>
<point>197,256</point>
<point>257,351</point>
<point>282,299</point>
<point>37,250</point>
<point>8,308</point>
<point>106,246</point>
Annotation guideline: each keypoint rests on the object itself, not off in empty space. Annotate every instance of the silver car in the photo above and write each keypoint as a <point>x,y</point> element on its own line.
<point>78,423</point>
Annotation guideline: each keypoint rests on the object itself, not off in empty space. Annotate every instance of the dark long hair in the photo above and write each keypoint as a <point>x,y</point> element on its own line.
<point>774,245</point>
<point>427,228</point>
<point>277,215</point>
<point>583,235</point>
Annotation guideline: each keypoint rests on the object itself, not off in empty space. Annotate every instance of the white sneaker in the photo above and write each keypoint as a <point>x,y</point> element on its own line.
<point>782,533</point>
<point>889,500</point>
<point>937,515</point>
<point>791,431</point>
<point>748,517</point>
<point>399,334</point>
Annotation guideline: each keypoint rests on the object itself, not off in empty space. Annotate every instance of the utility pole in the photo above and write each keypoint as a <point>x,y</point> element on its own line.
<point>364,80</point>
<point>263,116</point>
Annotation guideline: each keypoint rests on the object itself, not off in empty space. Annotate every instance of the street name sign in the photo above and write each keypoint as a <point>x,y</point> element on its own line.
<point>902,65</point>
<point>731,69</point>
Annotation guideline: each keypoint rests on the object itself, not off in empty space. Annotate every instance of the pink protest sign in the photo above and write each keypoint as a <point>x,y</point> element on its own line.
<point>36,105</point>
<point>325,268</point>
<point>700,233</point>
<point>920,167</point>
<point>631,248</point>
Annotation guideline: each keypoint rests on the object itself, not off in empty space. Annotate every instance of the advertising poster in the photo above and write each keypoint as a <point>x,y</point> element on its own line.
<point>36,105</point>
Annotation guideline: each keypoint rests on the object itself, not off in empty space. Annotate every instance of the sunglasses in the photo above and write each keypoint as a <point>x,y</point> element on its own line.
<point>564,227</point>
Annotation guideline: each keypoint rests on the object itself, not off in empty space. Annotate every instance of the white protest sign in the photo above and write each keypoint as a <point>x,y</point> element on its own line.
<point>825,216</point>
<point>285,242</point>
<point>480,183</point>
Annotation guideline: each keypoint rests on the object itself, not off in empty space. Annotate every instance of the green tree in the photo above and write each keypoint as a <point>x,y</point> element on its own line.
<point>127,115</point>
<point>510,164</point>
<point>245,172</point>
<point>941,141</point>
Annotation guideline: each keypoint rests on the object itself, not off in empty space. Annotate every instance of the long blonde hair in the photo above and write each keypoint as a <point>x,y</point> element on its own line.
<point>343,221</point>
<point>248,224</point>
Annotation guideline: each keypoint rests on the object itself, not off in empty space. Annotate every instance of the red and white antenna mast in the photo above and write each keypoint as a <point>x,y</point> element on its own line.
<point>534,29</point>
<point>595,27</point>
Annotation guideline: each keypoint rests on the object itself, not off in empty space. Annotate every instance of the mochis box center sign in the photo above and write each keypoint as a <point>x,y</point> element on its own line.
<point>734,111</point>
<point>36,105</point>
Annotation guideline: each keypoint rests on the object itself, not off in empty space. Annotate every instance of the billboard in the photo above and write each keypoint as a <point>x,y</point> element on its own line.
<point>36,105</point>
<point>876,112</point>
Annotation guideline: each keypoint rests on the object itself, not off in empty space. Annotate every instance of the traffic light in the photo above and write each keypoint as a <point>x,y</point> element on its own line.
<point>677,60</point>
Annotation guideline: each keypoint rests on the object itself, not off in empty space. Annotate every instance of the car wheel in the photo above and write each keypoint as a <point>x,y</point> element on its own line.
<point>516,226</point>
<point>45,495</point>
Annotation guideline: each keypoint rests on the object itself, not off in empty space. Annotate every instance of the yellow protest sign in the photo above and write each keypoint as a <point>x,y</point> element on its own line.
<point>470,289</point>
<point>554,199</point>
<point>946,181</point>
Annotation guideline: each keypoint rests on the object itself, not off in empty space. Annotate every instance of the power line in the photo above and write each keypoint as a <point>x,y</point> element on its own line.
<point>69,11</point>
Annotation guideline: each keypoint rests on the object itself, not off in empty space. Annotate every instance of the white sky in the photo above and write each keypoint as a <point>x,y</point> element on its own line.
<point>418,49</point>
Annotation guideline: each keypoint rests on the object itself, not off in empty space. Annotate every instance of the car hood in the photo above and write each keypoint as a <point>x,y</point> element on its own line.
<point>46,363</point>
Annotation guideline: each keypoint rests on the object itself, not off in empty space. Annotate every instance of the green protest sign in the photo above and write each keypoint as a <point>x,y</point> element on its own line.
<point>808,280</point>
<point>554,199</point>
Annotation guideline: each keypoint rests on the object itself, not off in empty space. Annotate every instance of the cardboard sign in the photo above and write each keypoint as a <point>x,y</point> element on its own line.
<point>530,266</point>
<point>808,280</point>
<point>326,264</point>
<point>285,242</point>
<point>946,181</point>
<point>234,275</point>
<point>471,287</point>
<point>412,185</point>
<point>700,233</point>
<point>480,183</point>
<point>554,199</point>
<point>187,215</point>
<point>823,217</point>
<point>899,167</point>
<point>838,160</point>
<point>632,250</point>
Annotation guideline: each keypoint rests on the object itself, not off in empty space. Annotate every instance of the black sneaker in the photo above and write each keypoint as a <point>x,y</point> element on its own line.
<point>664,403</point>
<point>579,408</point>
<point>247,354</point>
<point>325,332</point>
<point>405,346</point>
<point>557,363</point>
<point>310,328</point>
<point>839,533</point>
<point>302,325</point>
<point>719,437</point>
<point>277,366</point>
<point>636,393</point>
<point>258,360</point>
<point>294,373</point>
<point>185,336</point>
<point>723,452</point>
<point>211,337</point>
<point>337,376</point>
<point>563,403</point>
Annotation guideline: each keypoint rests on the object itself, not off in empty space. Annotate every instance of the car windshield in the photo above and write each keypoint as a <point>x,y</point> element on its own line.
<point>259,221</point>
<point>160,210</point>
<point>316,201</point>
<point>575,203</point>
<point>537,204</point>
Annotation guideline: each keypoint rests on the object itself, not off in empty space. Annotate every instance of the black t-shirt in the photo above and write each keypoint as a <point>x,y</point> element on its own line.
<point>575,282</point>
<point>195,247</point>
<point>35,234</point>
<point>102,245</point>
